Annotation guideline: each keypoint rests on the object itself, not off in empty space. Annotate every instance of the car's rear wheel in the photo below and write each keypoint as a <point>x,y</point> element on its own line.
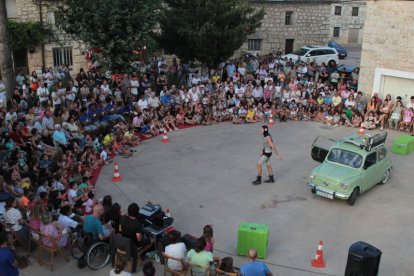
<point>353,197</point>
<point>385,177</point>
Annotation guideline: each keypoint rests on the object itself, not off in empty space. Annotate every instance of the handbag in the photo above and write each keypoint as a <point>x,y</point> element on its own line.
<point>395,116</point>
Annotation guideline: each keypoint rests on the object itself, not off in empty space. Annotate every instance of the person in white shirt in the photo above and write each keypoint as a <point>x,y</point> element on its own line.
<point>70,93</point>
<point>242,69</point>
<point>56,99</point>
<point>134,83</point>
<point>411,103</point>
<point>65,219</point>
<point>142,103</point>
<point>11,116</point>
<point>72,198</point>
<point>43,94</point>
<point>120,265</point>
<point>105,89</point>
<point>153,101</point>
<point>47,76</point>
<point>196,80</point>
<point>194,94</point>
<point>176,250</point>
<point>258,92</point>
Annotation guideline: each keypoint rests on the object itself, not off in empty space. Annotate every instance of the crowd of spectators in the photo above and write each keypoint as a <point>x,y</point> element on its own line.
<point>57,132</point>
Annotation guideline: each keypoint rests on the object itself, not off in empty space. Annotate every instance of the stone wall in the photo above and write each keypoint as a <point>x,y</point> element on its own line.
<point>388,40</point>
<point>27,11</point>
<point>347,22</point>
<point>310,25</point>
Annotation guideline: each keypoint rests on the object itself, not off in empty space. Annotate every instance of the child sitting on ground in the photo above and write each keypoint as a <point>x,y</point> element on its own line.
<point>283,114</point>
<point>250,117</point>
<point>105,155</point>
<point>336,119</point>
<point>356,119</point>
<point>345,120</point>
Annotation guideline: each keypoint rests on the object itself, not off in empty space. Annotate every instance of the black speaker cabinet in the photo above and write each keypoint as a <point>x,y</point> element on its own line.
<point>363,260</point>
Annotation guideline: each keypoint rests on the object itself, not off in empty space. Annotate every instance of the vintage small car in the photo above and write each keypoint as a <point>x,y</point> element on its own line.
<point>350,166</point>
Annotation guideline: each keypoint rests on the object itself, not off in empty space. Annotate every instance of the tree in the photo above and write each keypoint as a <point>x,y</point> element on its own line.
<point>24,34</point>
<point>6,66</point>
<point>207,30</point>
<point>115,27</point>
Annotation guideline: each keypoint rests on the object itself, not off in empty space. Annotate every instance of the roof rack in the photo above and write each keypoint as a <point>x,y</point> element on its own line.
<point>368,142</point>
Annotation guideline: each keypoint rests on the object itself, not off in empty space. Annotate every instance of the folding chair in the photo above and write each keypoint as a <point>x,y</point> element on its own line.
<point>199,270</point>
<point>52,250</point>
<point>223,273</point>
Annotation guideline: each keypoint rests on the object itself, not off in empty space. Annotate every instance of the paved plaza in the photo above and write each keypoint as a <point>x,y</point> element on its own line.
<point>204,177</point>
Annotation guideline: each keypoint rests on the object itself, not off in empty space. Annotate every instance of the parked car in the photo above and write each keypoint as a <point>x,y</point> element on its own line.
<point>350,166</point>
<point>342,52</point>
<point>318,54</point>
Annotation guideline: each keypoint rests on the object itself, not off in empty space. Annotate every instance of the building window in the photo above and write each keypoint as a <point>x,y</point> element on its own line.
<point>355,11</point>
<point>336,31</point>
<point>62,56</point>
<point>254,44</point>
<point>11,8</point>
<point>289,18</point>
<point>338,10</point>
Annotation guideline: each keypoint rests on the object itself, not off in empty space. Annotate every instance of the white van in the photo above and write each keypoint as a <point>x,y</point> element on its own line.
<point>318,54</point>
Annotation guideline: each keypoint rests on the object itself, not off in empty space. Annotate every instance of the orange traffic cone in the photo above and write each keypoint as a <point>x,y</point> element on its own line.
<point>165,137</point>
<point>270,121</point>
<point>361,130</point>
<point>319,261</point>
<point>117,177</point>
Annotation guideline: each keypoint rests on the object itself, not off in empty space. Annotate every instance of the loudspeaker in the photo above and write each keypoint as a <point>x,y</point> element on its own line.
<point>363,260</point>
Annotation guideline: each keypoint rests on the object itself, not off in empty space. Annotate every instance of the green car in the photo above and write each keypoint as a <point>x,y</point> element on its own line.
<point>350,166</point>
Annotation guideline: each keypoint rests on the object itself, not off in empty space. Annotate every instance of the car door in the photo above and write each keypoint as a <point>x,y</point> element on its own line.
<point>320,148</point>
<point>370,173</point>
<point>383,159</point>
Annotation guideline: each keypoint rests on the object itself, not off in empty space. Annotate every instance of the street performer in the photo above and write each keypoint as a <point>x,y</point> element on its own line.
<point>268,148</point>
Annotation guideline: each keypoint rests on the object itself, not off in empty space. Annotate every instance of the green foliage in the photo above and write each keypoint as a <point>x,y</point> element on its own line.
<point>24,34</point>
<point>207,30</point>
<point>116,27</point>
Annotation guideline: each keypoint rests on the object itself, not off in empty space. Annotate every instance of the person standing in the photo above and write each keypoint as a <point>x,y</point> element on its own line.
<point>254,267</point>
<point>8,263</point>
<point>268,148</point>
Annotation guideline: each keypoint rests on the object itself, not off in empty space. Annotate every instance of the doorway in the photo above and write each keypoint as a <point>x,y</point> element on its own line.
<point>289,46</point>
<point>353,36</point>
<point>20,61</point>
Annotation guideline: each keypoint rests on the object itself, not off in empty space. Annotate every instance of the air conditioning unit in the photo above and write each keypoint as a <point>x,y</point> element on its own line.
<point>254,53</point>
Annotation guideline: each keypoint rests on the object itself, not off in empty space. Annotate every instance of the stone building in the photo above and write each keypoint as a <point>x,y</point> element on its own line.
<point>290,24</point>
<point>387,63</point>
<point>58,49</point>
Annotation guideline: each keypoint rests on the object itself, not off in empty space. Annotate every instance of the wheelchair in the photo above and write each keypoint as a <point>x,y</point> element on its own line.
<point>90,252</point>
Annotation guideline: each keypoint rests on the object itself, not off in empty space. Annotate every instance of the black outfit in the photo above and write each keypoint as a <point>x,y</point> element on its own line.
<point>130,227</point>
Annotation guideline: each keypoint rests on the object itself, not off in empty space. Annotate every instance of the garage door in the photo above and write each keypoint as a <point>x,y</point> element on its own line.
<point>398,87</point>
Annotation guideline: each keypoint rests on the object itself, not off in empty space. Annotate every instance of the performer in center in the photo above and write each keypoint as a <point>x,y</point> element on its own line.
<point>268,148</point>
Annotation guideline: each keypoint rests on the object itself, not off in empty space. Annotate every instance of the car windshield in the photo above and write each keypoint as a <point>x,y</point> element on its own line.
<point>300,52</point>
<point>345,157</point>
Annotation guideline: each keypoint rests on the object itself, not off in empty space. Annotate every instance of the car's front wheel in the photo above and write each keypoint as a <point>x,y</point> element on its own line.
<point>353,197</point>
<point>385,177</point>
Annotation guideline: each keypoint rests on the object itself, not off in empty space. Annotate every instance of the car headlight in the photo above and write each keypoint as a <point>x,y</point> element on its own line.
<point>344,186</point>
<point>310,179</point>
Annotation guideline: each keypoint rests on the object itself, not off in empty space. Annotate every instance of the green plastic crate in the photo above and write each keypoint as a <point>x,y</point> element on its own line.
<point>403,144</point>
<point>252,235</point>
